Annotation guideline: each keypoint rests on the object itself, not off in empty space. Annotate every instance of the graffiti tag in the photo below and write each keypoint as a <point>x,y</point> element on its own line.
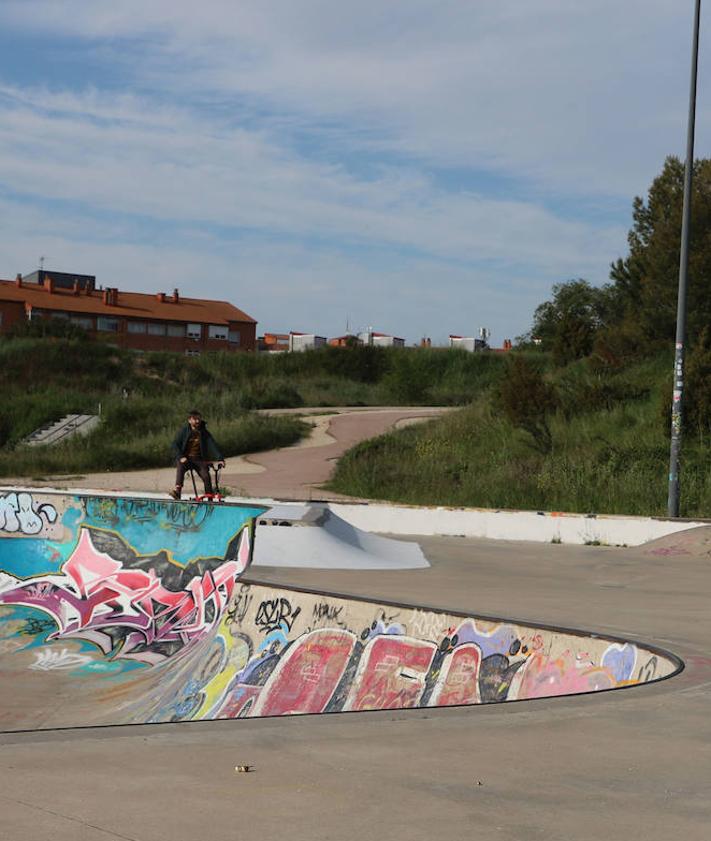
<point>275,615</point>
<point>50,659</point>
<point>19,512</point>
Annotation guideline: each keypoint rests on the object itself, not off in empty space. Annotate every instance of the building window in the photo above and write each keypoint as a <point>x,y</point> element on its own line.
<point>59,314</point>
<point>194,331</point>
<point>137,326</point>
<point>217,331</point>
<point>82,321</point>
<point>107,325</point>
<point>192,352</point>
<point>234,337</point>
<point>176,330</point>
<point>157,329</point>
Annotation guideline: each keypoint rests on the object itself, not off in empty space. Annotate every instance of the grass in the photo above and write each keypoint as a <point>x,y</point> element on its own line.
<point>43,379</point>
<point>612,460</point>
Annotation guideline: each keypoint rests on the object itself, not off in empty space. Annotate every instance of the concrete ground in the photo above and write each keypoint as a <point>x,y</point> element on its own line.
<point>631,764</point>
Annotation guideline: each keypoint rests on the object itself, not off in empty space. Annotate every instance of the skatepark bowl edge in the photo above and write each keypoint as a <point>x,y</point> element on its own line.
<point>128,610</point>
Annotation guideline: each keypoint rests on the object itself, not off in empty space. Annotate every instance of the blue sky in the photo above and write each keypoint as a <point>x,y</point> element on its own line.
<point>422,167</point>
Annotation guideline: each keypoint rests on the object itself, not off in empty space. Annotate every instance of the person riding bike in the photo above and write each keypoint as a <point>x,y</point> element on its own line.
<point>194,449</point>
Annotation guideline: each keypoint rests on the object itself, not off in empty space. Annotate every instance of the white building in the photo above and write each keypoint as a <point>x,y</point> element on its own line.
<point>381,339</point>
<point>305,341</point>
<point>469,342</point>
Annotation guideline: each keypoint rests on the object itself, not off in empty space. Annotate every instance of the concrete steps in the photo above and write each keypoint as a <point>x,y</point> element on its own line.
<point>60,430</point>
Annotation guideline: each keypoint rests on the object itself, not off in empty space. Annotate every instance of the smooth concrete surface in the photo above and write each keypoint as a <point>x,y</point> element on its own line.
<point>288,539</point>
<point>628,764</point>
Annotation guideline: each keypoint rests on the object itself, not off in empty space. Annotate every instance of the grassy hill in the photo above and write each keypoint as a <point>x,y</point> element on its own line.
<point>609,451</point>
<point>44,378</point>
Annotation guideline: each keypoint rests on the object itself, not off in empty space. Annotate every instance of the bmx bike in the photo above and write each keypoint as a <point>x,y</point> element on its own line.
<point>215,496</point>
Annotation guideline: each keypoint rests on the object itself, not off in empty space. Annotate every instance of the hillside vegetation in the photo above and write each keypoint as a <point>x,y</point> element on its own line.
<point>583,423</point>
<point>44,377</point>
<point>606,450</point>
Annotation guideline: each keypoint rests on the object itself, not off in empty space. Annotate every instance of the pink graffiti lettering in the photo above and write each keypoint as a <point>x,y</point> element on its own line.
<point>94,592</point>
<point>458,681</point>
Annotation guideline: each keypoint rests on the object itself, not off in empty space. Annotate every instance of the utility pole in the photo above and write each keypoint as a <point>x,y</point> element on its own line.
<point>678,393</point>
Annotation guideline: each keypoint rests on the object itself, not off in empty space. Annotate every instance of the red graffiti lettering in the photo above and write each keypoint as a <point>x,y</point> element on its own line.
<point>308,674</point>
<point>392,673</point>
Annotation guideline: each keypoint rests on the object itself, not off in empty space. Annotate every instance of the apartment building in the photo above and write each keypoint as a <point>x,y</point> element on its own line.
<point>135,320</point>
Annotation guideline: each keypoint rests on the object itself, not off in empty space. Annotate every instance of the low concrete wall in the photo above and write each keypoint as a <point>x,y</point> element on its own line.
<point>536,526</point>
<point>543,526</point>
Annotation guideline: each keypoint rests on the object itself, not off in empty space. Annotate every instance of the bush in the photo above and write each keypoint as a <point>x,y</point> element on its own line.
<point>58,328</point>
<point>266,394</point>
<point>697,396</point>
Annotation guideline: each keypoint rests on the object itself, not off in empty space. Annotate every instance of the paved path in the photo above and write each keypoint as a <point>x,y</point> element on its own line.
<point>633,764</point>
<point>298,472</point>
<point>295,472</point>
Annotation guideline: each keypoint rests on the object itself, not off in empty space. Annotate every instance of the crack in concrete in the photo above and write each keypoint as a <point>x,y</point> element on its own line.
<point>70,818</point>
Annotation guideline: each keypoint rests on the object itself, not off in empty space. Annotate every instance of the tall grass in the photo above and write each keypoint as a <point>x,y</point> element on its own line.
<point>603,460</point>
<point>43,379</point>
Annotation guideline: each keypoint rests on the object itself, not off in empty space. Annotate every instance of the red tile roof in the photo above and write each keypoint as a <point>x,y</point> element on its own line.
<point>128,304</point>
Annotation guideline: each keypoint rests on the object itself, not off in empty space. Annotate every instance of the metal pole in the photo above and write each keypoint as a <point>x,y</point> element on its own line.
<point>678,393</point>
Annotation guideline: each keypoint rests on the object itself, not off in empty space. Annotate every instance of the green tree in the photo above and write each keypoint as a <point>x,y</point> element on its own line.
<point>645,282</point>
<point>697,392</point>
<point>568,323</point>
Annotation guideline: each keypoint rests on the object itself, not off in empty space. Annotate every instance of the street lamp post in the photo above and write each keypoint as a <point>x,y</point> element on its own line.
<point>678,392</point>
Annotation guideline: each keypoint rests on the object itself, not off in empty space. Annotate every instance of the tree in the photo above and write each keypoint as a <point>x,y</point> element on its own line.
<point>697,396</point>
<point>645,283</point>
<point>567,325</point>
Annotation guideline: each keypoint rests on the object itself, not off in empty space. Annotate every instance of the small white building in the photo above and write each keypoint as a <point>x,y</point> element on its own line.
<point>469,342</point>
<point>305,341</point>
<point>381,339</point>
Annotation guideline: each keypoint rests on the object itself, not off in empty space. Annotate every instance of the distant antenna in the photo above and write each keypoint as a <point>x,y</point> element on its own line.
<point>41,263</point>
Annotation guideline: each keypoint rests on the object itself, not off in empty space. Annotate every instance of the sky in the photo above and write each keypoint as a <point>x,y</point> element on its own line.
<point>421,167</point>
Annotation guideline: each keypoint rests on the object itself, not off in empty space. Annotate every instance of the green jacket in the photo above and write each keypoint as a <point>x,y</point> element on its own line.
<point>209,451</point>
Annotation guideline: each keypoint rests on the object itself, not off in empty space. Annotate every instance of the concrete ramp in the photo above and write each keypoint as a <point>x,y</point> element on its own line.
<point>694,542</point>
<point>313,536</point>
<point>123,611</point>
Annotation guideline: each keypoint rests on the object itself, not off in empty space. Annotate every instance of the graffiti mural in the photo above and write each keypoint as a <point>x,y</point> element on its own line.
<point>140,608</point>
<point>346,655</point>
<point>130,582</point>
<point>128,612</point>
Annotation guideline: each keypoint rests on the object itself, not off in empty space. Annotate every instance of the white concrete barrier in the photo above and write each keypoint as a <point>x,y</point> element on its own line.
<point>535,526</point>
<point>543,526</point>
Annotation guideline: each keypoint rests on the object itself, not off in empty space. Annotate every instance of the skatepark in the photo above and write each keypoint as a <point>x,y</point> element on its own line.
<point>172,670</point>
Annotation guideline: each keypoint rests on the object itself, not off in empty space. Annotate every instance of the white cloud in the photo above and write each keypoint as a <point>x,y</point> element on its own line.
<point>579,97</point>
<point>283,285</point>
<point>172,167</point>
<point>355,153</point>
